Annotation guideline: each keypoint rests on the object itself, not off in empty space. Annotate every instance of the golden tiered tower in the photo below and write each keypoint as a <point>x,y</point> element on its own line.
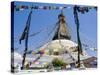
<point>61,31</point>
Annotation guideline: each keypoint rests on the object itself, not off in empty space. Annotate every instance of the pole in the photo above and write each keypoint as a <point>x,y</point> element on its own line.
<point>78,36</point>
<point>26,39</point>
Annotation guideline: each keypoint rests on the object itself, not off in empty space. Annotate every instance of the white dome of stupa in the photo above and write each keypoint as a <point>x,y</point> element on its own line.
<point>57,45</point>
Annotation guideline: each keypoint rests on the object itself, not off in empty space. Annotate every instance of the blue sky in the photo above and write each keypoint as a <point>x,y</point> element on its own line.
<point>46,19</point>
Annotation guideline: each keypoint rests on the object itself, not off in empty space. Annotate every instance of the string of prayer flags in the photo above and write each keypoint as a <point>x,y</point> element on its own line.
<point>22,7</point>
